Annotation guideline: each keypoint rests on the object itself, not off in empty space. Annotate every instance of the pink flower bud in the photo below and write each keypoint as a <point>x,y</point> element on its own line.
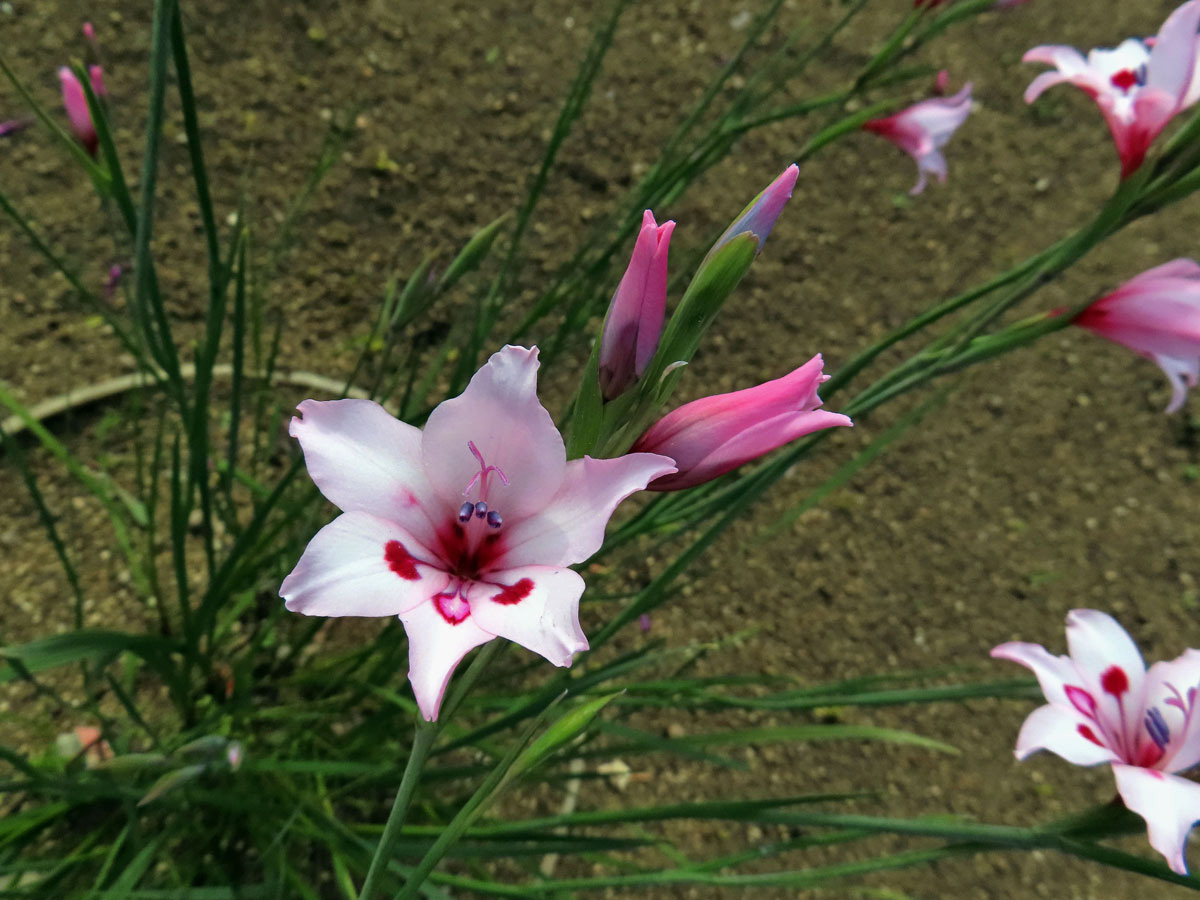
<point>635,316</point>
<point>714,435</point>
<point>75,103</point>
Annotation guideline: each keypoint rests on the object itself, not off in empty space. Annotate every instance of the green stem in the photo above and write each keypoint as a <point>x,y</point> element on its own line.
<point>426,733</point>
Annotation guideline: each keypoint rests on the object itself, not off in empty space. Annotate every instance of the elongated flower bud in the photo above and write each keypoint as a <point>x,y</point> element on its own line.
<point>714,435</point>
<point>635,316</point>
<point>759,217</point>
<point>75,103</point>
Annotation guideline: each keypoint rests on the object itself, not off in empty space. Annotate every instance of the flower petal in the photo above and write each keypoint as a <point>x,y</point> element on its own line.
<point>1169,804</point>
<point>1097,642</point>
<point>1065,733</point>
<point>534,606</point>
<point>1054,673</point>
<point>500,414</point>
<point>570,528</point>
<point>1173,688</point>
<point>1174,55</point>
<point>435,648</point>
<point>365,459</point>
<point>361,565</point>
<point>1111,666</point>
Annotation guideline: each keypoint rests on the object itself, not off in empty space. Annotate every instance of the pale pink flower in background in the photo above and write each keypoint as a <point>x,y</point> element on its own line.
<point>714,435</point>
<point>465,530</point>
<point>1139,85</point>
<point>759,217</point>
<point>75,103</point>
<point>1156,314</point>
<point>635,315</point>
<point>1105,707</point>
<point>923,129</point>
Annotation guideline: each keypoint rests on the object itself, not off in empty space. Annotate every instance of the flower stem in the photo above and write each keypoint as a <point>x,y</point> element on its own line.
<point>422,743</point>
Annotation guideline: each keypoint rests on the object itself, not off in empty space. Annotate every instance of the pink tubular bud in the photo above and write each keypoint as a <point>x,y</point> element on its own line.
<point>75,103</point>
<point>635,315</point>
<point>714,435</point>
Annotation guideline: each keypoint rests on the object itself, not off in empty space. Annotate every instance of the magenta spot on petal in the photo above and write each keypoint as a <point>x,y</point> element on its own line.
<point>452,607</point>
<point>400,561</point>
<point>1089,735</point>
<point>1125,79</point>
<point>514,593</point>
<point>1114,681</point>
<point>1081,700</point>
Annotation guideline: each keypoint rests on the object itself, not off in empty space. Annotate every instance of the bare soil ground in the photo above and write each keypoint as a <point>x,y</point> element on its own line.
<point>1051,480</point>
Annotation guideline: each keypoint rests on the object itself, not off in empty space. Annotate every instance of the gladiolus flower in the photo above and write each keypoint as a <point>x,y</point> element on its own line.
<point>464,530</point>
<point>1105,707</point>
<point>1139,86</point>
<point>75,103</point>
<point>1156,314</point>
<point>714,435</point>
<point>635,316</point>
<point>923,129</point>
<point>759,217</point>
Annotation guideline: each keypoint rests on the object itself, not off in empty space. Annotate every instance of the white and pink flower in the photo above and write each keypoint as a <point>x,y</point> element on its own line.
<point>1139,85</point>
<point>466,529</point>
<point>1105,707</point>
<point>923,129</point>
<point>1156,314</point>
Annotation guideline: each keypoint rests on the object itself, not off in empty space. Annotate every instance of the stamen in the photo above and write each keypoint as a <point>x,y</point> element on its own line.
<point>493,519</point>
<point>481,510</point>
<point>1156,726</point>
<point>484,470</point>
<point>465,511</point>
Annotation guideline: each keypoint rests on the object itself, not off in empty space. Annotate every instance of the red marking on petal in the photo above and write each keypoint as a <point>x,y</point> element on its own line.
<point>1125,79</point>
<point>1090,735</point>
<point>1114,681</point>
<point>514,593</point>
<point>1148,755</point>
<point>1081,700</point>
<point>453,608</point>
<point>400,561</point>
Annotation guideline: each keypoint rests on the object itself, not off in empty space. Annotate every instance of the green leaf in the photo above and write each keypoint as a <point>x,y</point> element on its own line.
<point>558,734</point>
<point>171,781</point>
<point>91,645</point>
<point>473,253</point>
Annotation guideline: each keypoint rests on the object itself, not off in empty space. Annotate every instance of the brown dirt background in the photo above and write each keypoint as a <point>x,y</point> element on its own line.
<point>1050,481</point>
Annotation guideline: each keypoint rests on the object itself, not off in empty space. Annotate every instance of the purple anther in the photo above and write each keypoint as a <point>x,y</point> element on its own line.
<point>481,510</point>
<point>1156,726</point>
<point>493,519</point>
<point>465,511</point>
